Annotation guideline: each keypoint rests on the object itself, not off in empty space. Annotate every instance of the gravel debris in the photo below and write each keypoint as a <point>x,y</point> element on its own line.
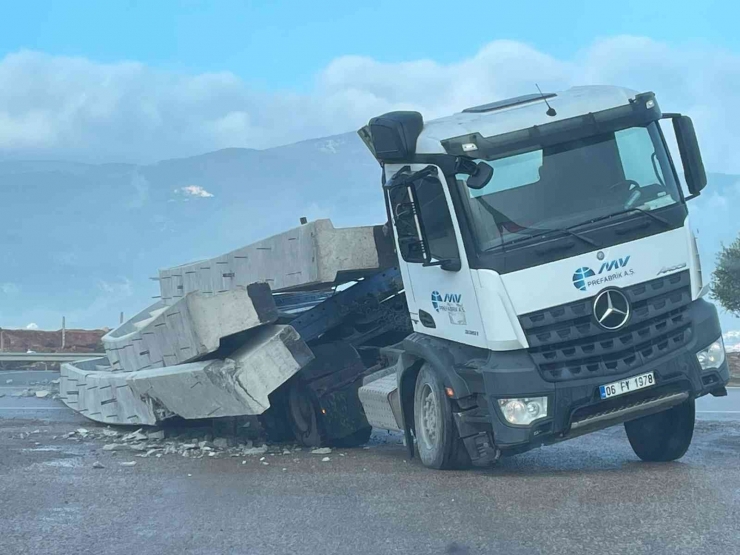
<point>221,443</point>
<point>128,463</point>
<point>43,393</point>
<point>325,459</point>
<point>254,450</point>
<point>97,464</point>
<point>321,451</point>
<point>135,436</point>
<point>194,444</point>
<point>116,447</point>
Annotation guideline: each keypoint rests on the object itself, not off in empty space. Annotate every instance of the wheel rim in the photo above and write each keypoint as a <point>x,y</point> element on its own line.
<point>429,417</point>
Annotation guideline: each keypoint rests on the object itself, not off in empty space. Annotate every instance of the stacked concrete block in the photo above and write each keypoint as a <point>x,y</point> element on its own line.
<point>91,388</point>
<point>236,386</point>
<point>168,335</point>
<point>312,256</point>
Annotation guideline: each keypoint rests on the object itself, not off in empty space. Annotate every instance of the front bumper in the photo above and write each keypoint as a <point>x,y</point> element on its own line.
<point>576,406</point>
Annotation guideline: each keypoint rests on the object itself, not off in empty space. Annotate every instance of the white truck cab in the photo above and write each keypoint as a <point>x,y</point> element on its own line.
<point>551,276</point>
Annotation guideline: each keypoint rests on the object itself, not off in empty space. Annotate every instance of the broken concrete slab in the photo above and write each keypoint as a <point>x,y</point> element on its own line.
<point>163,335</point>
<point>103,395</point>
<point>237,386</point>
<point>312,256</point>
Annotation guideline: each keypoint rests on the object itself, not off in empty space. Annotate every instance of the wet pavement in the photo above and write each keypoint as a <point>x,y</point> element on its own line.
<point>588,495</point>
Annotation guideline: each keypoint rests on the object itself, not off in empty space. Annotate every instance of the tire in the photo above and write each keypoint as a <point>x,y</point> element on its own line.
<point>664,436</point>
<point>304,415</point>
<point>437,440</point>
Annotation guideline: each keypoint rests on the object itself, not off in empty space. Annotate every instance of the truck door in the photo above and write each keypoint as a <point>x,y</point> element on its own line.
<point>439,288</point>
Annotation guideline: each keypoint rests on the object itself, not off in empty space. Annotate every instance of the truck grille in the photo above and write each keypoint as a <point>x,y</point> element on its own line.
<point>566,343</point>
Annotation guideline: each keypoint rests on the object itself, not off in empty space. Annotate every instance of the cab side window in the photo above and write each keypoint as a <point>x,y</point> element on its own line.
<point>437,219</point>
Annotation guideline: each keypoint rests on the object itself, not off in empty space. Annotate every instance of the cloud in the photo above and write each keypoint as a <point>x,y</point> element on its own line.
<point>80,109</point>
<point>32,326</point>
<point>194,191</point>
<point>9,288</point>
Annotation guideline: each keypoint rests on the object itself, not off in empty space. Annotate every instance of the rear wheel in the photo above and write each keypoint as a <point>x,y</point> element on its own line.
<point>664,436</point>
<point>437,441</point>
<point>303,415</point>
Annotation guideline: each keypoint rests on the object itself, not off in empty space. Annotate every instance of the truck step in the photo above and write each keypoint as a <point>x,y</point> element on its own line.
<point>378,399</point>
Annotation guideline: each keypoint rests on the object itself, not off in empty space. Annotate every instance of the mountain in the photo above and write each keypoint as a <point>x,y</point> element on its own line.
<point>81,240</point>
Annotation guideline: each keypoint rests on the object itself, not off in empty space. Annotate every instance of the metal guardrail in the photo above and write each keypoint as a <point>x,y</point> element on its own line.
<point>47,357</point>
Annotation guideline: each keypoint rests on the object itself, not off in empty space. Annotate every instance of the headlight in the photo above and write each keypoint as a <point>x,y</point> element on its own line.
<point>524,411</point>
<point>713,356</point>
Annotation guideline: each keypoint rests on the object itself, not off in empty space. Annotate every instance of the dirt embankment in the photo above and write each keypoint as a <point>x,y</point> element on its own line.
<point>76,341</point>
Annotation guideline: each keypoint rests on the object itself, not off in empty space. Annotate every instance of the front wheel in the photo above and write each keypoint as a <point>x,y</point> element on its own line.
<point>437,439</point>
<point>664,436</point>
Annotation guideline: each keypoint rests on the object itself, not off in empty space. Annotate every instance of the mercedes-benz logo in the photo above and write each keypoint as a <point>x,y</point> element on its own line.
<point>611,309</point>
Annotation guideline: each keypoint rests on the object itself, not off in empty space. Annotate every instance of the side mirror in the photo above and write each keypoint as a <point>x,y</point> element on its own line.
<point>688,147</point>
<point>481,176</point>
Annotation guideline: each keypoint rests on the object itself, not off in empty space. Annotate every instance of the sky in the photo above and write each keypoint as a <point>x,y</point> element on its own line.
<point>142,81</point>
<point>282,45</point>
<point>134,81</point>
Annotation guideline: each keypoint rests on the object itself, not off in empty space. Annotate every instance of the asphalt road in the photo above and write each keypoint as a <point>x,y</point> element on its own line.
<point>589,495</point>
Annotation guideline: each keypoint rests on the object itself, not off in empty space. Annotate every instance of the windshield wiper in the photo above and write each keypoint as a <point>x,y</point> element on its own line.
<point>537,232</point>
<point>658,219</point>
<point>580,236</point>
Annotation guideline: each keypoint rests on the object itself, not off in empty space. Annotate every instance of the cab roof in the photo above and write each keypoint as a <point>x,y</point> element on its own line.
<point>520,113</point>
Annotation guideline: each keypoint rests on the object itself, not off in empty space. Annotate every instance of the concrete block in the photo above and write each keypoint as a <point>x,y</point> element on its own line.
<point>236,386</point>
<point>168,335</point>
<point>93,390</point>
<point>312,256</point>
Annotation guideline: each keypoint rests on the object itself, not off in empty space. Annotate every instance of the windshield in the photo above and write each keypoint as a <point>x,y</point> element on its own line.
<point>571,183</point>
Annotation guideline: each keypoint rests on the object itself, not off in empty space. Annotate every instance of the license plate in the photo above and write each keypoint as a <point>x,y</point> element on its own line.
<point>626,386</point>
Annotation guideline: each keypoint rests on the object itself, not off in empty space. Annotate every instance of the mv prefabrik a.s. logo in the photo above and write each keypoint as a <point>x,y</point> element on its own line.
<point>439,300</point>
<point>609,271</point>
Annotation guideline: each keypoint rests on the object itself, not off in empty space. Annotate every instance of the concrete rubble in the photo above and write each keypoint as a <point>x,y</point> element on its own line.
<point>189,444</point>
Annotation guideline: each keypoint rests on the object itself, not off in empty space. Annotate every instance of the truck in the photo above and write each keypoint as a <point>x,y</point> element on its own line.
<point>536,279</point>
<point>551,275</point>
